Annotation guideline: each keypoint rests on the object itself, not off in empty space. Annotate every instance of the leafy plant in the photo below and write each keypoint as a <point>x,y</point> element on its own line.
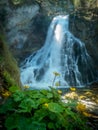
<point>55,75</point>
<point>40,110</point>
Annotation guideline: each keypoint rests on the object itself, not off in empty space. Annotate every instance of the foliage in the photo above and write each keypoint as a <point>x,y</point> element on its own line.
<point>55,75</point>
<point>16,2</point>
<point>8,64</point>
<point>8,79</point>
<point>40,110</point>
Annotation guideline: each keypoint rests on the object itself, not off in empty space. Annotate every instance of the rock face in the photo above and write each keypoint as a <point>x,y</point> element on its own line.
<point>19,27</point>
<point>84,25</point>
<point>26,23</point>
<point>24,27</point>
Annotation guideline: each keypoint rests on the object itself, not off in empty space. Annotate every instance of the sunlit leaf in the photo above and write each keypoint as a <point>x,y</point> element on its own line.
<point>55,107</point>
<point>49,95</point>
<point>13,89</point>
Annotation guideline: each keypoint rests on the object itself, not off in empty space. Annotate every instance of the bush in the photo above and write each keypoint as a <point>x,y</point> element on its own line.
<point>40,110</point>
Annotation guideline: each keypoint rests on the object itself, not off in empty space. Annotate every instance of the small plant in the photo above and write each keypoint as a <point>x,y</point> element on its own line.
<point>55,75</point>
<point>40,110</point>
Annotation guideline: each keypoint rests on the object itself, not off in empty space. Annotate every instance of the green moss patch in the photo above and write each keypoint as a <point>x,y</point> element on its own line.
<point>8,66</point>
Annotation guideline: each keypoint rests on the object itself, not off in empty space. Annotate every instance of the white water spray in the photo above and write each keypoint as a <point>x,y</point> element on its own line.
<point>62,53</point>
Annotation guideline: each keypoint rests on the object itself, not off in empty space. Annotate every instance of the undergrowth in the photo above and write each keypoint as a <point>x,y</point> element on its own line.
<point>40,110</point>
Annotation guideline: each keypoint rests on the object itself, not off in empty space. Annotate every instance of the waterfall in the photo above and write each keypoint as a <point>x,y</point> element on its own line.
<point>62,53</point>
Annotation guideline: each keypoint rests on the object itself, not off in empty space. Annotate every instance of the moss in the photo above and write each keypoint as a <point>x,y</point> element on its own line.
<point>8,65</point>
<point>19,3</point>
<point>76,3</point>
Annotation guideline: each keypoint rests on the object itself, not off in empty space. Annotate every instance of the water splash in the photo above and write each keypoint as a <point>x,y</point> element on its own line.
<point>62,53</point>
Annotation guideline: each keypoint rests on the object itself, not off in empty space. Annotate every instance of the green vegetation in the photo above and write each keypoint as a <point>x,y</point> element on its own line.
<point>17,2</point>
<point>40,110</point>
<point>34,109</point>
<point>9,71</point>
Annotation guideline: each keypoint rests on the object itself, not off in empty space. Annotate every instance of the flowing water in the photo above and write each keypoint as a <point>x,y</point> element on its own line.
<point>62,53</point>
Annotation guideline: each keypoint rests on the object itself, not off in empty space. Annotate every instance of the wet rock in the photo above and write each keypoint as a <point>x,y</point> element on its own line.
<point>19,26</point>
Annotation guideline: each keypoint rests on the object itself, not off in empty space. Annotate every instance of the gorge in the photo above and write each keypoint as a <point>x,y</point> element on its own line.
<point>25,24</point>
<point>49,64</point>
<point>62,53</point>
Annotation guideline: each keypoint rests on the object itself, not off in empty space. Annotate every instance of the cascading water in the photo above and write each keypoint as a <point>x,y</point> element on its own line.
<point>62,53</point>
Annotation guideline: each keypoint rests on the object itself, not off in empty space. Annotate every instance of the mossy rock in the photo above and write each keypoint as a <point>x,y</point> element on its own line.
<point>9,70</point>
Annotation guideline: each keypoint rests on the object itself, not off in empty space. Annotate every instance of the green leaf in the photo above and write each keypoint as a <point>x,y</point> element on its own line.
<point>38,126</point>
<point>36,94</point>
<point>27,105</point>
<point>51,125</point>
<point>8,123</point>
<point>39,115</point>
<point>42,100</point>
<point>7,106</point>
<point>49,95</point>
<point>55,107</point>
<point>44,92</point>
<point>71,104</point>
<point>70,113</point>
<point>18,95</point>
<point>52,116</point>
<point>19,122</point>
<point>13,89</point>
